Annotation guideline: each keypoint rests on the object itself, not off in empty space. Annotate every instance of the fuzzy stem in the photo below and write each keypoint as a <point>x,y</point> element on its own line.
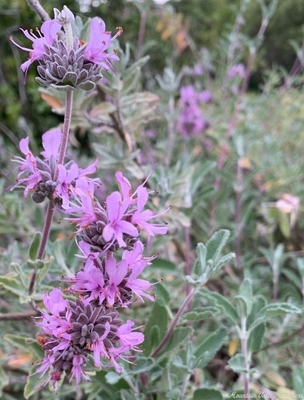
<point>66,126</point>
<point>51,206</point>
<point>141,33</point>
<point>179,313</point>
<point>16,316</point>
<point>188,263</point>
<point>244,340</point>
<point>238,216</point>
<point>39,10</point>
<point>170,141</point>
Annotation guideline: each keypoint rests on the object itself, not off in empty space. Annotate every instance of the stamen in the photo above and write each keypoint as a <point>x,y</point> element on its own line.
<point>119,32</point>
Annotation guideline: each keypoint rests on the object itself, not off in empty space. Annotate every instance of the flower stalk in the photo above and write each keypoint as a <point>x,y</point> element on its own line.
<point>174,322</point>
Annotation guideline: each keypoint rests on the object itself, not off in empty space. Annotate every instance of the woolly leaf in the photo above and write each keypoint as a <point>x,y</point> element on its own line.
<point>34,246</point>
<point>213,394</point>
<point>216,243</point>
<point>220,301</point>
<point>237,363</point>
<point>207,349</point>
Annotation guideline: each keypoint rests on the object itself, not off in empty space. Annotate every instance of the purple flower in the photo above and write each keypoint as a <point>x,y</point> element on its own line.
<point>77,370</point>
<point>85,209</point>
<point>237,70</point>
<point>136,264</point>
<point>188,95</point>
<point>141,217</point>
<point>198,70</point>
<point>118,221</point>
<point>204,97</point>
<point>45,177</point>
<point>86,331</point>
<point>65,61</point>
<point>51,143</point>
<point>191,122</point>
<point>90,282</point>
<point>99,42</point>
<point>45,36</point>
<point>124,185</point>
<point>116,225</point>
<point>129,339</point>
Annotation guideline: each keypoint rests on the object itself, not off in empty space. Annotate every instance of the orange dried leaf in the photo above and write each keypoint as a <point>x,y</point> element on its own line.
<point>52,101</point>
<point>233,346</point>
<point>20,360</point>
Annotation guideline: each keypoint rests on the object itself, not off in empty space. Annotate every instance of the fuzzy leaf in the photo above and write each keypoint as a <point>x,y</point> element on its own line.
<point>22,273</point>
<point>256,337</point>
<point>180,334</point>
<point>165,266</point>
<point>142,364</point>
<point>4,380</point>
<point>207,349</point>
<point>12,285</point>
<point>213,394</point>
<point>241,306</point>
<point>26,344</point>
<point>274,309</point>
<point>245,291</point>
<point>201,313</point>
<point>216,243</point>
<point>33,383</point>
<point>33,250</point>
<point>220,301</point>
<point>162,295</point>
<point>237,363</point>
<point>298,379</point>
<point>200,263</point>
<point>102,109</point>
<point>156,327</point>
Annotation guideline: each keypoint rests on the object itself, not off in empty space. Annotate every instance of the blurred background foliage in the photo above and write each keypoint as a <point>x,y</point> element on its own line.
<point>174,35</point>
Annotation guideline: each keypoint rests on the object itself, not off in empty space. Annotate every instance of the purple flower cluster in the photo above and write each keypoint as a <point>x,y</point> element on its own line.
<point>107,235</point>
<point>44,177</point>
<point>73,331</point>
<point>191,121</point>
<point>108,281</point>
<point>65,61</point>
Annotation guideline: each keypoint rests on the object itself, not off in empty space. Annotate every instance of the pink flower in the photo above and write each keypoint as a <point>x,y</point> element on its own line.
<point>98,43</point>
<point>51,142</point>
<point>136,264</point>
<point>77,370</point>
<point>128,339</point>
<point>45,36</point>
<point>65,179</point>
<point>85,209</point>
<point>99,348</point>
<point>90,281</point>
<point>54,302</point>
<point>117,226</point>
<point>141,217</point>
<point>124,185</point>
<point>237,70</point>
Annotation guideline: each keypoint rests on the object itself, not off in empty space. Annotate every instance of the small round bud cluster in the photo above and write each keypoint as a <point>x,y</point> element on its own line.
<point>66,70</point>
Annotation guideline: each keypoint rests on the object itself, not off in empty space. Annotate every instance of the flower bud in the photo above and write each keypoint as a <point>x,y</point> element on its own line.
<point>65,16</point>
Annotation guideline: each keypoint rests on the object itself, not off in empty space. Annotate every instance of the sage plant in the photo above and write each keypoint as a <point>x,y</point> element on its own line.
<point>87,324</point>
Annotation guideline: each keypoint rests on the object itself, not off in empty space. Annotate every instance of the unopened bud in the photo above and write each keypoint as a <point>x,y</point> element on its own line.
<point>65,16</point>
